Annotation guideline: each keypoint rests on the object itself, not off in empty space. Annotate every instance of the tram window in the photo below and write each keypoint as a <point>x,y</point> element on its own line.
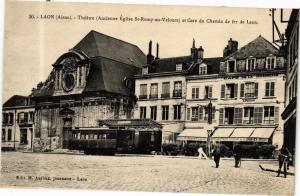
<point>86,136</point>
<point>95,136</point>
<point>78,135</point>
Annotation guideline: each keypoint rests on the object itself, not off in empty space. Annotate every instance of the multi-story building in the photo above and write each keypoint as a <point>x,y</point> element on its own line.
<point>161,90</point>
<point>245,90</point>
<point>17,123</point>
<point>90,82</point>
<point>289,114</point>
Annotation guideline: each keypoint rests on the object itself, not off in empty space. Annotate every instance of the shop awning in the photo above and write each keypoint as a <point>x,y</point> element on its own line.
<point>242,132</point>
<point>173,128</point>
<point>247,134</point>
<point>193,135</point>
<point>223,132</point>
<point>262,134</point>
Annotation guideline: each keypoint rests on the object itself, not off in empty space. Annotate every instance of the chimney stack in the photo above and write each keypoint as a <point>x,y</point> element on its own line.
<point>150,57</point>
<point>231,47</point>
<point>157,51</point>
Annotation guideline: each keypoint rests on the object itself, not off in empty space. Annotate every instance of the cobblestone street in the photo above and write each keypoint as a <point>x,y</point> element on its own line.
<point>158,174</point>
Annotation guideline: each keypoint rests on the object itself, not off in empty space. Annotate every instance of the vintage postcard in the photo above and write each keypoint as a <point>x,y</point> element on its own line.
<point>149,98</point>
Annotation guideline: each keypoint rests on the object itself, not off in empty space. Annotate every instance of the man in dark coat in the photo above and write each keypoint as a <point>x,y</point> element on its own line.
<point>237,153</point>
<point>283,156</point>
<point>217,154</point>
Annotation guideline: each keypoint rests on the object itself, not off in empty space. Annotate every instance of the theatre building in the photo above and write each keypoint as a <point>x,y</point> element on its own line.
<point>89,83</point>
<point>289,114</point>
<point>245,90</point>
<point>17,123</point>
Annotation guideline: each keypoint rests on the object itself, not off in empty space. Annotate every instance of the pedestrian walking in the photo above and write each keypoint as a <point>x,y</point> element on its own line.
<point>237,153</point>
<point>201,153</point>
<point>283,159</point>
<point>217,155</point>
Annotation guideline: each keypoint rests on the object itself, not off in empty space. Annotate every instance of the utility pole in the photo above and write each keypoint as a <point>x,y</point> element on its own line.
<point>209,108</point>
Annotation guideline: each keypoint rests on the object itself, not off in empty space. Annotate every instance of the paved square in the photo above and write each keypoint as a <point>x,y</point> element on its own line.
<point>159,174</point>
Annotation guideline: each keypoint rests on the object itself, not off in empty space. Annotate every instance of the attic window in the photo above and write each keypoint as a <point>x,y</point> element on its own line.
<point>270,63</point>
<point>179,67</point>
<point>251,64</point>
<point>202,69</point>
<point>145,70</point>
<point>230,65</point>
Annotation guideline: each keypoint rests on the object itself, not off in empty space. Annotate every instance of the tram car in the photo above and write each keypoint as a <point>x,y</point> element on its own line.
<point>108,141</point>
<point>94,141</point>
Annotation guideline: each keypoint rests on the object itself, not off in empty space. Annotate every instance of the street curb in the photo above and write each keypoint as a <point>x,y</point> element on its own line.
<point>273,170</point>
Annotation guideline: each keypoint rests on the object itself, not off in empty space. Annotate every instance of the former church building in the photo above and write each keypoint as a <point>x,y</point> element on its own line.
<point>90,82</point>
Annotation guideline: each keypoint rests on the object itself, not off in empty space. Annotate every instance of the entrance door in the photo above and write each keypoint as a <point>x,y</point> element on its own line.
<point>23,136</point>
<point>67,132</point>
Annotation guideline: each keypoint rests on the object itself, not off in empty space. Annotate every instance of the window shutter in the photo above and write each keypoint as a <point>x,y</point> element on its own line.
<point>242,90</point>
<point>221,116</point>
<point>223,91</point>
<point>276,114</point>
<point>258,111</point>
<point>188,114</point>
<point>236,86</point>
<point>209,92</point>
<point>267,89</point>
<point>272,88</point>
<point>222,67</point>
<point>256,90</point>
<point>213,112</point>
<point>201,113</point>
<point>238,115</point>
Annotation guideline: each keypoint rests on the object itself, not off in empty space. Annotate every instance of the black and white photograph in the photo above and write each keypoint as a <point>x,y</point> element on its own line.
<point>149,98</point>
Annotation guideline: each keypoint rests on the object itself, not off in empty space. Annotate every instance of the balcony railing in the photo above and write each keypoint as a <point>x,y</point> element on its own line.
<point>177,93</point>
<point>143,97</point>
<point>165,95</point>
<point>153,96</point>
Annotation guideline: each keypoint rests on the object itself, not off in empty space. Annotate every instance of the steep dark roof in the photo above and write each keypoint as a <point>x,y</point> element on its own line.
<point>108,75</point>
<point>169,64</point>
<point>111,60</point>
<point>18,100</point>
<point>96,44</point>
<point>259,48</point>
<point>213,66</point>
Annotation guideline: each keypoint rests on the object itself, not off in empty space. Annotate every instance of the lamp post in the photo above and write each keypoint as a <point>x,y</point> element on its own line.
<point>209,121</point>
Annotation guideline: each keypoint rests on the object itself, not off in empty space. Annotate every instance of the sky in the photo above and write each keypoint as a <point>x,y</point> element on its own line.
<point>31,46</point>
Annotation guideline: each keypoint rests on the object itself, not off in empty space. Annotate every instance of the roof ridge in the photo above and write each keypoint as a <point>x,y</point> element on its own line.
<point>93,31</point>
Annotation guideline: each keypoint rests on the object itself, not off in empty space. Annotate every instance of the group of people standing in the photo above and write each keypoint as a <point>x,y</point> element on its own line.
<point>283,157</point>
<point>237,153</point>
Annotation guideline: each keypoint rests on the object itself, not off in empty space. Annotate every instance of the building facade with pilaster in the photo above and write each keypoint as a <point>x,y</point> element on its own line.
<point>245,90</point>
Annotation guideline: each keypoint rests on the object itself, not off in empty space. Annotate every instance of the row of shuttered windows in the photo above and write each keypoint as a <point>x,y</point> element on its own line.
<point>246,115</point>
<point>247,90</point>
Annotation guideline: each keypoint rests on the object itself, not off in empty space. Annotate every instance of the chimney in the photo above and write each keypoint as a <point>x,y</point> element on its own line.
<point>200,53</point>
<point>231,47</point>
<point>157,51</point>
<point>193,50</point>
<point>150,57</point>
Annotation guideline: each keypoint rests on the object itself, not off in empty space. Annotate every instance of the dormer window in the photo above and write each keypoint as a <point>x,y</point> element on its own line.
<point>270,63</point>
<point>145,70</point>
<point>230,65</point>
<point>203,69</point>
<point>251,64</point>
<point>179,67</point>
